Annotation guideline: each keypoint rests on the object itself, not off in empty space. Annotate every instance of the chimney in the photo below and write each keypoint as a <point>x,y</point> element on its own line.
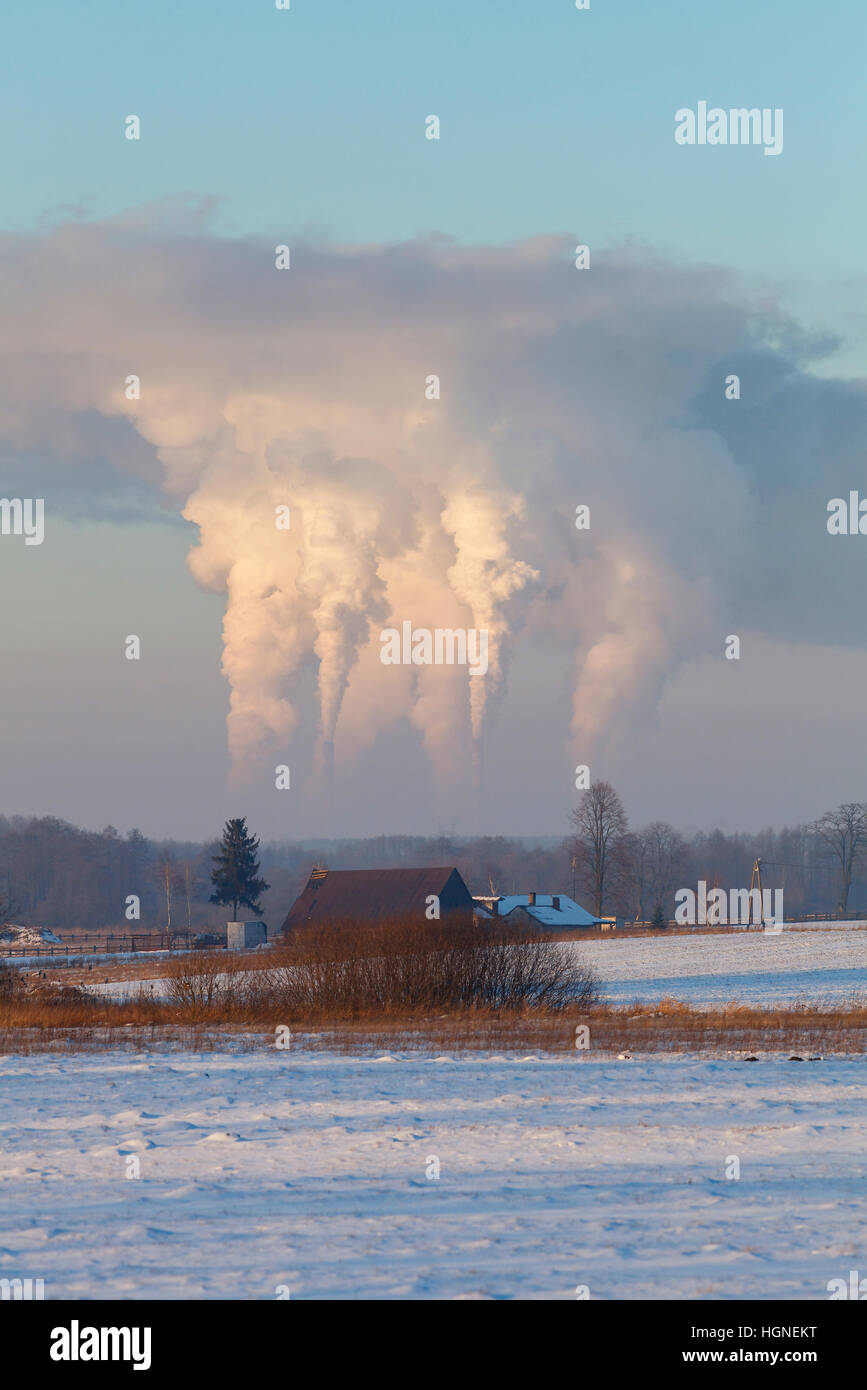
<point>555,903</point>
<point>532,900</point>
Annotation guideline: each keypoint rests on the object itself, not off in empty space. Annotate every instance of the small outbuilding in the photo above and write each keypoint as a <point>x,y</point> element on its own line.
<point>241,936</point>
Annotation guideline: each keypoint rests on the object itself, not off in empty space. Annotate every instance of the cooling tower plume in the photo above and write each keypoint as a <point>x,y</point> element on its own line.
<point>486,577</point>
<point>290,416</point>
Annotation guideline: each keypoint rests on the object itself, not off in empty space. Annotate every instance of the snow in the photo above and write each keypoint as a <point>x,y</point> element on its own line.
<point>819,964</point>
<point>158,988</point>
<point>262,1168</point>
<point>751,967</point>
<point>10,935</point>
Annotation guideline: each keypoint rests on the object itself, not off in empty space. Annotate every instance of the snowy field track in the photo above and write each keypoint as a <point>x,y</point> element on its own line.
<point>819,965</point>
<point>309,1170</point>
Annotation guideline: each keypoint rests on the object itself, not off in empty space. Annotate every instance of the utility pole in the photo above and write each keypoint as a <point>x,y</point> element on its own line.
<point>754,881</point>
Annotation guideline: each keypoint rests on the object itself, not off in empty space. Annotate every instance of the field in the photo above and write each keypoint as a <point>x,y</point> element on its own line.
<point>249,1171</point>
<point>823,965</point>
<point>309,1170</point>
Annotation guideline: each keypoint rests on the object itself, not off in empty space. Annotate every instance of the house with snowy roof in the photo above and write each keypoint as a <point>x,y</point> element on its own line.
<point>553,912</point>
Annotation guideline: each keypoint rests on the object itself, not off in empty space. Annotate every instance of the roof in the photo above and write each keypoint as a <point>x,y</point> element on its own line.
<point>370,893</point>
<point>570,913</point>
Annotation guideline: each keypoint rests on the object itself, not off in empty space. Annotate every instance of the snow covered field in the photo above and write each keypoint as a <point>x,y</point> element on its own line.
<point>308,1170</point>
<point>820,964</point>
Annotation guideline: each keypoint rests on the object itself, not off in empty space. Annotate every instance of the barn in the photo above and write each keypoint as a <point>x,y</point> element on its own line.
<point>364,895</point>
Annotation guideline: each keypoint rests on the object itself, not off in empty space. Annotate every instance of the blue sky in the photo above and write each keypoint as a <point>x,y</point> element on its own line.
<point>552,119</point>
<point>310,121</point>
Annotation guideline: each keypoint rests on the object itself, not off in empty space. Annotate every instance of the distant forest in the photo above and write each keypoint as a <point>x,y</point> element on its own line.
<point>54,875</point>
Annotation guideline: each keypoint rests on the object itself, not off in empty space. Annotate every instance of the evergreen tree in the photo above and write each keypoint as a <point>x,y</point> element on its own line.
<point>236,866</point>
<point>659,919</point>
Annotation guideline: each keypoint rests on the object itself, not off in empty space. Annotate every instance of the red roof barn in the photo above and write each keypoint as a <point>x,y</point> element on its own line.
<point>366,894</point>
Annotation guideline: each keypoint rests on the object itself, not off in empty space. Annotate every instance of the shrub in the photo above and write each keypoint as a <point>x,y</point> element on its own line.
<point>402,965</point>
<point>208,984</point>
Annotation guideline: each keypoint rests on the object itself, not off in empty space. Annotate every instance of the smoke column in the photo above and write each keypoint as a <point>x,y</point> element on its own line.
<point>305,389</point>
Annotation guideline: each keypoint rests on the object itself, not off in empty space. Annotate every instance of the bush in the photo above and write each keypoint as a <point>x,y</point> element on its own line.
<point>215,984</point>
<point>401,966</point>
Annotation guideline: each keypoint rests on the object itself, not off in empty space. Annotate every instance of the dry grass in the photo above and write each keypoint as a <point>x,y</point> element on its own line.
<point>395,969</point>
<point>714,1033</point>
<point>150,1027</point>
<point>671,1025</point>
<point>404,987</point>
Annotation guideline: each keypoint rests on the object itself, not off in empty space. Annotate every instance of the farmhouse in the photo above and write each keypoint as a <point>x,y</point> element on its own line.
<point>363,895</point>
<point>554,912</point>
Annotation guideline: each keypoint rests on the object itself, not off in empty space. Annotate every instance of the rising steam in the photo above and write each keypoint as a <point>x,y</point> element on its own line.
<point>305,389</point>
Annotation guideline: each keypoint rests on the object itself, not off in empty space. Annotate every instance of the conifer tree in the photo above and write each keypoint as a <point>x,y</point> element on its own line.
<point>659,918</point>
<point>236,866</point>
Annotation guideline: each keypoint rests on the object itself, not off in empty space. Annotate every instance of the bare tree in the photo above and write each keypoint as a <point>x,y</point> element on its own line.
<point>657,856</point>
<point>167,877</point>
<point>601,843</point>
<point>843,836</point>
<point>636,875</point>
<point>663,854</point>
<point>188,871</point>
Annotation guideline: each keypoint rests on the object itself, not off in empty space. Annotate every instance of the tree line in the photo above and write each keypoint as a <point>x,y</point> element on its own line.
<point>821,867</point>
<point>56,875</point>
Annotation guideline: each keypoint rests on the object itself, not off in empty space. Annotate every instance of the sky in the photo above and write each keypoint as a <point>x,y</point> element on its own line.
<point>260,387</point>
